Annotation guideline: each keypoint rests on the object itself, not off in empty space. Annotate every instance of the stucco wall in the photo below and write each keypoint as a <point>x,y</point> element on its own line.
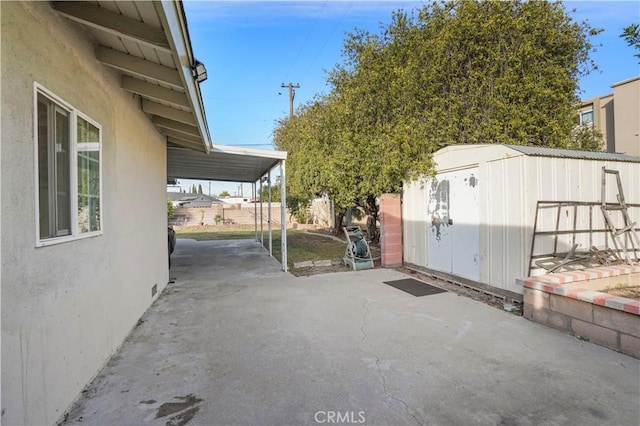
<point>627,116</point>
<point>67,307</point>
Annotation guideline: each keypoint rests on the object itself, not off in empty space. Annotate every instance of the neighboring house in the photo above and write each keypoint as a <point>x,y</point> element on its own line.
<point>101,107</point>
<point>474,218</point>
<point>617,116</point>
<point>192,200</point>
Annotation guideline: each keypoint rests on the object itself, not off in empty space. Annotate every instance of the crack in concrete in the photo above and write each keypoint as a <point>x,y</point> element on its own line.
<point>382,378</point>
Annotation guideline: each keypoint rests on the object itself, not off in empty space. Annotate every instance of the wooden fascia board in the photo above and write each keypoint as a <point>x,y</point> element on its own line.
<point>139,67</point>
<point>157,93</point>
<point>114,23</point>
<point>173,21</point>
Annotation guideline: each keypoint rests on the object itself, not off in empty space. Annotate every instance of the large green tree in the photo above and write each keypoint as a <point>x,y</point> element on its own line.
<point>468,72</point>
<point>449,73</point>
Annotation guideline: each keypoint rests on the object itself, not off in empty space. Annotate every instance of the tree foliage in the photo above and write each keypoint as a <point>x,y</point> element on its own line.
<point>631,35</point>
<point>224,194</point>
<point>448,73</point>
<point>275,191</point>
<point>587,138</point>
<point>170,209</point>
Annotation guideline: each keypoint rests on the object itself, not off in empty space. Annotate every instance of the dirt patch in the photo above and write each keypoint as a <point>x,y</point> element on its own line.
<point>313,270</point>
<point>628,291</point>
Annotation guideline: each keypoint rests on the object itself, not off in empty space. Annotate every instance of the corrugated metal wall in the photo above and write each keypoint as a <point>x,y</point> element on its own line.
<point>510,186</point>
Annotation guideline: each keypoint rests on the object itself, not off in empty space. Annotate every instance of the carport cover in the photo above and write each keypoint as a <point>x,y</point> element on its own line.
<point>223,163</point>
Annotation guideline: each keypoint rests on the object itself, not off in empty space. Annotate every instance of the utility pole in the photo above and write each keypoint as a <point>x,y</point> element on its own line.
<point>292,95</point>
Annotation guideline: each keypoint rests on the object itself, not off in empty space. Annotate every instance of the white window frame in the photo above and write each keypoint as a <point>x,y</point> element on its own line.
<point>593,117</point>
<point>74,113</point>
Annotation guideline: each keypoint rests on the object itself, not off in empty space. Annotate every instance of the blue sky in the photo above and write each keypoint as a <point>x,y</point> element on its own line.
<point>251,48</point>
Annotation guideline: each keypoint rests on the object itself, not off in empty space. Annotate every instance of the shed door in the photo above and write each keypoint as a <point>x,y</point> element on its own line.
<point>453,240</point>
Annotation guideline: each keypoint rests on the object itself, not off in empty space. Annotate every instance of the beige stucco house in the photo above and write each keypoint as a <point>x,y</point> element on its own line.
<point>617,116</point>
<point>100,106</point>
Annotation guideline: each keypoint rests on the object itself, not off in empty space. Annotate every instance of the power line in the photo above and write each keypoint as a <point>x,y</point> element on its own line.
<point>304,43</point>
<point>335,27</point>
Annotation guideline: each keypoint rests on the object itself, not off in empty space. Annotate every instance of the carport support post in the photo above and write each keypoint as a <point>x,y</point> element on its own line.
<point>269,215</point>
<point>283,216</point>
<point>261,216</point>
<point>255,213</point>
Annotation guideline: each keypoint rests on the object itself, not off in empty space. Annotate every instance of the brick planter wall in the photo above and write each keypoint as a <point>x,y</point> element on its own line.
<point>559,301</point>
<point>391,230</point>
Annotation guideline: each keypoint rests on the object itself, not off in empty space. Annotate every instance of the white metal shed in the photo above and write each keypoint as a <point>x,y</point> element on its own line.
<point>475,219</point>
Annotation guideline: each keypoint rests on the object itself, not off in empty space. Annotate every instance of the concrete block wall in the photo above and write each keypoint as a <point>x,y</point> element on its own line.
<point>564,301</point>
<point>391,230</point>
<point>604,326</point>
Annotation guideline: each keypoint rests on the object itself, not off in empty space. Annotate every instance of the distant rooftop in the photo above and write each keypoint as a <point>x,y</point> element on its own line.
<point>175,196</point>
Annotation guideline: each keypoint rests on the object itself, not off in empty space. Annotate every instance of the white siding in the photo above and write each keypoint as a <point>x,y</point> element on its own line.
<point>559,179</point>
<point>510,185</point>
<point>67,307</point>
<point>415,222</point>
<point>502,222</point>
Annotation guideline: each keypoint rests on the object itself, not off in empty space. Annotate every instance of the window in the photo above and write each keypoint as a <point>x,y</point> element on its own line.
<point>68,171</point>
<point>88,177</point>
<point>586,117</point>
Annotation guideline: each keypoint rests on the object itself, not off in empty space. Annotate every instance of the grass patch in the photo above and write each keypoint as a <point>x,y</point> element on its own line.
<point>301,246</point>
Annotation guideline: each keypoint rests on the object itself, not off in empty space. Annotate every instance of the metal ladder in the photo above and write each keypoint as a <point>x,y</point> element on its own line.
<point>630,242</point>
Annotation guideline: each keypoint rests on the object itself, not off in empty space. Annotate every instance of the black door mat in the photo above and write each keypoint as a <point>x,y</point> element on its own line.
<point>415,287</point>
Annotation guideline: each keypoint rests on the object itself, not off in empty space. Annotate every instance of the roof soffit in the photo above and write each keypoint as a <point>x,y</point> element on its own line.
<point>137,38</point>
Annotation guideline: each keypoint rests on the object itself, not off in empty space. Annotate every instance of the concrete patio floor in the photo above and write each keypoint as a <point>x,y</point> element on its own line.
<point>235,341</point>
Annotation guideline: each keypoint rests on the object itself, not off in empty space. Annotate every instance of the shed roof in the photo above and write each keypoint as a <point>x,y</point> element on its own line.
<point>466,155</point>
<point>568,153</point>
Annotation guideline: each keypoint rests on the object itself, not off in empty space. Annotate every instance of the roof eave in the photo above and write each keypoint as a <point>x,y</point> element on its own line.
<point>173,20</point>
